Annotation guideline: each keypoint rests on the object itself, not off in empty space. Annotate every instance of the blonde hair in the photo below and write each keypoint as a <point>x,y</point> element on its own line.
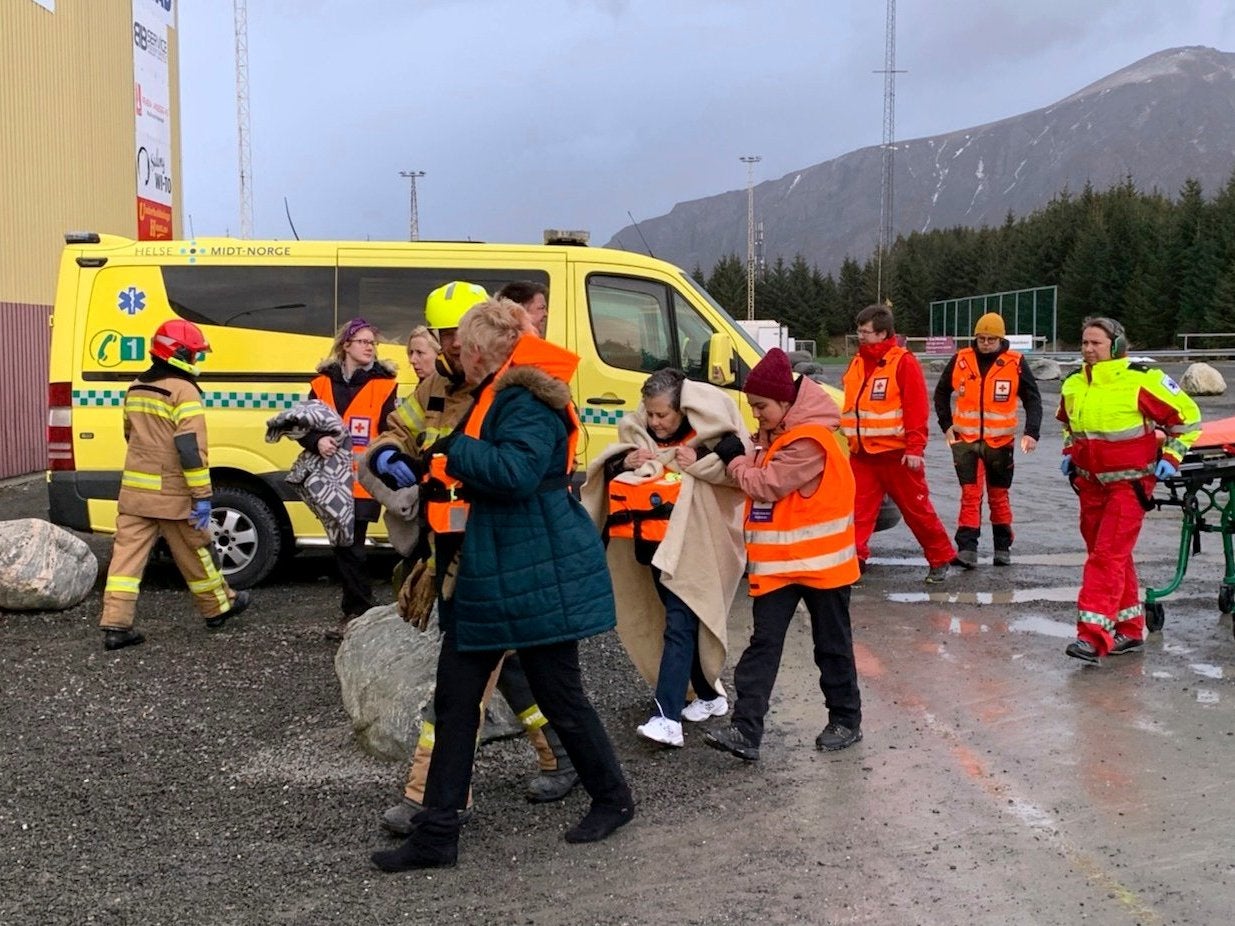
<point>492,328</point>
<point>420,331</point>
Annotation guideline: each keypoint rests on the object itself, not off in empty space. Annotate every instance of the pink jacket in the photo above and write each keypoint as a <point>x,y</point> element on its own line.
<point>796,467</point>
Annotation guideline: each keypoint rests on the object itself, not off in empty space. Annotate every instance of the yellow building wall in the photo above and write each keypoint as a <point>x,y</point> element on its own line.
<point>67,152</point>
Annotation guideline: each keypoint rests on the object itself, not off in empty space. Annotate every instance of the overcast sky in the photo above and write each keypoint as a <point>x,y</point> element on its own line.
<point>569,113</point>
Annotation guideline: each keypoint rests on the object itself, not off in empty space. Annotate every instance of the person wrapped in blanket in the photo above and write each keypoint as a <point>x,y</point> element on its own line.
<point>659,485</point>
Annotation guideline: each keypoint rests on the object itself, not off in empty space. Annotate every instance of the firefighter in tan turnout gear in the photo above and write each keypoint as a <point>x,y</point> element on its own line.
<point>165,489</point>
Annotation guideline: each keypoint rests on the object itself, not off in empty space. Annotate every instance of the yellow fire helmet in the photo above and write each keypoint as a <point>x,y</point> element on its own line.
<point>447,304</point>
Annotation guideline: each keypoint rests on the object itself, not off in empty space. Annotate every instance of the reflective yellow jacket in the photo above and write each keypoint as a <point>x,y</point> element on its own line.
<point>1110,411</point>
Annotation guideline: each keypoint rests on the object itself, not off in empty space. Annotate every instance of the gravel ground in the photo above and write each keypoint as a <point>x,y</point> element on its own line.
<point>212,778</point>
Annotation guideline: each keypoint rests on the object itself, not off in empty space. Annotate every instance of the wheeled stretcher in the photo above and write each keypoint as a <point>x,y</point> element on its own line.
<point>1203,491</point>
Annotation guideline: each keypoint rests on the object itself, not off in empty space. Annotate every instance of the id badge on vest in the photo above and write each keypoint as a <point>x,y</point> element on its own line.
<point>360,428</point>
<point>760,512</point>
<point>879,388</point>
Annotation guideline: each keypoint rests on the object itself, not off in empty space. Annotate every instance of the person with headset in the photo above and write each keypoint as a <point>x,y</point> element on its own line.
<point>1111,409</point>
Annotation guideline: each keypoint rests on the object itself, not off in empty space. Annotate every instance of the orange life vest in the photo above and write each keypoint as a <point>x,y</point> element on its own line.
<point>804,541</point>
<point>986,405</point>
<point>445,509</point>
<point>363,418</point>
<point>873,418</point>
<point>642,511</point>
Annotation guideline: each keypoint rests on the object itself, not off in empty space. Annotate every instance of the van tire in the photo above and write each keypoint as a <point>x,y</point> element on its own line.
<point>247,539</point>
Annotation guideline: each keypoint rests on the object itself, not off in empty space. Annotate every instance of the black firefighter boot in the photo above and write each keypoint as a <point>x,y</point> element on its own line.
<point>119,639</point>
<point>550,784</point>
<point>433,843</point>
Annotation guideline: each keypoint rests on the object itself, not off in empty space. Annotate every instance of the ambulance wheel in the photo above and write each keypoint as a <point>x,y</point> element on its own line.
<point>1226,599</point>
<point>1155,616</point>
<point>246,536</point>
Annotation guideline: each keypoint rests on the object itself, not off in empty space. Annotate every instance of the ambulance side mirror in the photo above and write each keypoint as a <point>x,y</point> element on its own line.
<point>720,360</point>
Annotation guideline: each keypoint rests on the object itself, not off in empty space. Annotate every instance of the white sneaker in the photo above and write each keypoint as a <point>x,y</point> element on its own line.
<point>699,710</point>
<point>662,730</point>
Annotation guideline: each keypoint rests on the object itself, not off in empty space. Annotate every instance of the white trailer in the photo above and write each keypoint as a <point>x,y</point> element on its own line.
<point>769,333</point>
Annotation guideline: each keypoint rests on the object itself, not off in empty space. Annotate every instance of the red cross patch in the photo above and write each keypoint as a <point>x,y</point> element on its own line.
<point>360,428</point>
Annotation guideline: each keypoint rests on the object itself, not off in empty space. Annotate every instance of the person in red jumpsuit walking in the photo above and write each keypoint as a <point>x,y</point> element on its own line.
<point>1111,409</point>
<point>885,418</point>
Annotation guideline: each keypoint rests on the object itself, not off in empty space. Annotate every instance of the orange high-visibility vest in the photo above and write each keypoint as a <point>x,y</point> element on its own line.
<point>873,418</point>
<point>363,418</point>
<point>986,404</point>
<point>804,541</point>
<point>448,514</point>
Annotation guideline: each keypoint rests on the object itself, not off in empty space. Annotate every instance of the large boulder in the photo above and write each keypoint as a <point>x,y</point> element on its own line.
<point>1202,379</point>
<point>1044,368</point>
<point>800,356</point>
<point>809,368</point>
<point>386,671</point>
<point>43,567</point>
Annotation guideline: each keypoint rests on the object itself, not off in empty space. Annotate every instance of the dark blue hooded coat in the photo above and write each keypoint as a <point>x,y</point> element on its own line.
<point>532,568</point>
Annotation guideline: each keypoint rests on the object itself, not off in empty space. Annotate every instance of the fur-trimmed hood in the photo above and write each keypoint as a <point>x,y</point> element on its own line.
<point>553,392</point>
<point>381,369</point>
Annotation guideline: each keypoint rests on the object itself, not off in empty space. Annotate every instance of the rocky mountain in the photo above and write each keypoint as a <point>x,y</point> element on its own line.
<point>1166,118</point>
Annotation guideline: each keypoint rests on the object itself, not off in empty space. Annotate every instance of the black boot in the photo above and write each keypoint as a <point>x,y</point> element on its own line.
<point>119,639</point>
<point>602,820</point>
<point>239,605</point>
<point>434,843</point>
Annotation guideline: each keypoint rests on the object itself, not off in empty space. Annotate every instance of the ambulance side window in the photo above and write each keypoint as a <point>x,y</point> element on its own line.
<point>393,298</point>
<point>296,300</point>
<point>694,333</point>
<point>630,322</point>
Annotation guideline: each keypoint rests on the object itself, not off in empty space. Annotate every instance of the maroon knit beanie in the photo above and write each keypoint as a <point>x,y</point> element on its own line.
<point>772,377</point>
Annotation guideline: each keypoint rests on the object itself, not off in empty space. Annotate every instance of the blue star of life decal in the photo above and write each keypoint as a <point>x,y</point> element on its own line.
<point>131,300</point>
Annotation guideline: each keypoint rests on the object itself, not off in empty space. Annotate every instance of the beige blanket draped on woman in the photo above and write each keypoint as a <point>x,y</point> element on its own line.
<point>703,555</point>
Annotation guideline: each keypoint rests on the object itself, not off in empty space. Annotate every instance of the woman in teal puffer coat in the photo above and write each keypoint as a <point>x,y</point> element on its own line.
<point>531,576</point>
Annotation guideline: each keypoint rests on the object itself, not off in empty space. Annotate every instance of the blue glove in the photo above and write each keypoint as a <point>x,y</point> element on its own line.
<point>199,517</point>
<point>387,463</point>
<point>1166,469</point>
<point>1065,466</point>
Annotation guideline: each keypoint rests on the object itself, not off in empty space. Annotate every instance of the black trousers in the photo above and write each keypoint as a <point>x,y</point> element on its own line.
<point>553,673</point>
<point>755,675</point>
<point>357,593</point>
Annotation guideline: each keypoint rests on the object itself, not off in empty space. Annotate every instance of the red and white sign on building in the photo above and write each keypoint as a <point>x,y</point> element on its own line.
<point>152,117</point>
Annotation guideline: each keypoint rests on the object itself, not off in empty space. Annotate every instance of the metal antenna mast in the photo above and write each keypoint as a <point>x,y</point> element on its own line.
<point>750,160</point>
<point>889,147</point>
<point>413,208</point>
<point>241,11</point>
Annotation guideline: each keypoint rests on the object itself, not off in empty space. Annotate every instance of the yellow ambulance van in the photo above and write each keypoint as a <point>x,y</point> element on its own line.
<point>270,309</point>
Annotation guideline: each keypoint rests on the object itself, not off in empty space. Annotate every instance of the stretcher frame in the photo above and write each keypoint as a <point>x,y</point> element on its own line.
<point>1204,491</point>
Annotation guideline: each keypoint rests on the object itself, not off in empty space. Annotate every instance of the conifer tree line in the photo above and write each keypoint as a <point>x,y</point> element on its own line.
<point>1161,265</point>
